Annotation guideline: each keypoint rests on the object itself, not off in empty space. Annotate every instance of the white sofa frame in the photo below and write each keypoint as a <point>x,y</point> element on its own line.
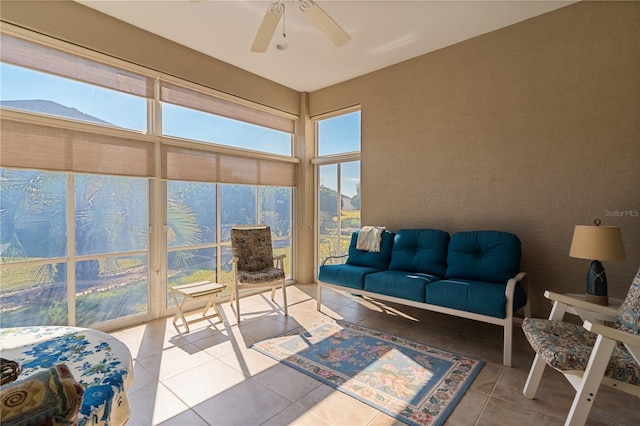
<point>506,322</point>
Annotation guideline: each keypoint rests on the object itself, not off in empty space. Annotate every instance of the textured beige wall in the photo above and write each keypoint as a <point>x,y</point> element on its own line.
<point>530,129</point>
<point>86,27</point>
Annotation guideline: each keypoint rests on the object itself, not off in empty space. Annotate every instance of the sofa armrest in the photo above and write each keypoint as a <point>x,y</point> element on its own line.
<point>523,279</point>
<point>520,277</point>
<point>326,259</point>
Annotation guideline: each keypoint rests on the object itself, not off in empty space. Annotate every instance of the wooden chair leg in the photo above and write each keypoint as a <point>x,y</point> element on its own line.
<point>535,375</point>
<point>591,380</point>
<point>237,303</point>
<point>284,297</point>
<point>318,297</point>
<point>538,365</point>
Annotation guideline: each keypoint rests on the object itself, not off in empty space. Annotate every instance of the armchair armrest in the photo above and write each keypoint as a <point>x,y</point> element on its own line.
<point>577,303</point>
<point>612,333</point>
<point>332,257</point>
<point>278,261</point>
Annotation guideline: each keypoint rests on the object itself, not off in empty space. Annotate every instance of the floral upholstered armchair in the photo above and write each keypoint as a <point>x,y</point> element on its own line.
<point>587,355</point>
<point>254,265</point>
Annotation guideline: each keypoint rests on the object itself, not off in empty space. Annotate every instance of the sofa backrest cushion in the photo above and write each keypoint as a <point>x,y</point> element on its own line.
<point>491,256</point>
<point>420,250</point>
<point>372,259</point>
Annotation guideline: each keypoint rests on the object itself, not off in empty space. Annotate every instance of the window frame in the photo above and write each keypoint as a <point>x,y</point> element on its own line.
<point>157,248</point>
<point>337,159</point>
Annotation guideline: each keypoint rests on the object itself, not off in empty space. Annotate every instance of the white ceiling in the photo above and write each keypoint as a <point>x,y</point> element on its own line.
<point>383,32</point>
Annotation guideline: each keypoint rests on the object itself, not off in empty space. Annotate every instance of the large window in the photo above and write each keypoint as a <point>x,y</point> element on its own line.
<point>111,241</point>
<point>53,82</point>
<point>42,93</point>
<point>33,248</point>
<point>90,149</point>
<point>276,210</point>
<point>192,233</point>
<point>193,238</point>
<point>339,134</point>
<point>201,126</point>
<point>338,171</point>
<point>100,258</point>
<point>188,113</point>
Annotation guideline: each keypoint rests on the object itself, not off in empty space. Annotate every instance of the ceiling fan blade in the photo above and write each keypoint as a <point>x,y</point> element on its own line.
<point>318,17</point>
<point>268,27</point>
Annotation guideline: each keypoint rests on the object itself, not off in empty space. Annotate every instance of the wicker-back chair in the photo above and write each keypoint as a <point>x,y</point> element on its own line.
<point>254,265</point>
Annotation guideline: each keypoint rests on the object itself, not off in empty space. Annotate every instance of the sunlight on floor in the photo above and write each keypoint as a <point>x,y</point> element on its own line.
<point>210,376</point>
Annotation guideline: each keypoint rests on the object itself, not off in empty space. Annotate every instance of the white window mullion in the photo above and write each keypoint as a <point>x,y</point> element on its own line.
<point>339,210</point>
<point>71,251</point>
<point>157,214</point>
<point>259,204</point>
<point>218,234</point>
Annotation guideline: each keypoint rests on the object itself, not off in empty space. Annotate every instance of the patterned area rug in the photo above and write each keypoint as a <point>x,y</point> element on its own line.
<point>415,383</point>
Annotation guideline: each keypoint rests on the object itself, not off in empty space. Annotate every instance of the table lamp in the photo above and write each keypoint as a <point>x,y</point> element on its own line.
<point>597,243</point>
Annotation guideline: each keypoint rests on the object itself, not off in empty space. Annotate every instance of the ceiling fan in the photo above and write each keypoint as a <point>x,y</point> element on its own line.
<point>314,13</point>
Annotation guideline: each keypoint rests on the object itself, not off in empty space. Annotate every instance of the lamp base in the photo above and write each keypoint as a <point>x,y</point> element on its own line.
<point>597,284</point>
<point>598,300</point>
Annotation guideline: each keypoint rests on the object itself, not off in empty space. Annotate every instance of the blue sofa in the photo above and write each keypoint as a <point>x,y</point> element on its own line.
<point>473,274</point>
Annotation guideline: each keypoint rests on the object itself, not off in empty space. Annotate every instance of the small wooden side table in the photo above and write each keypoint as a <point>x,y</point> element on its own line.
<point>595,317</point>
<point>194,291</point>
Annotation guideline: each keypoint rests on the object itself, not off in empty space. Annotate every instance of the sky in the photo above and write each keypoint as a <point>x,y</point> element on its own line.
<point>336,135</point>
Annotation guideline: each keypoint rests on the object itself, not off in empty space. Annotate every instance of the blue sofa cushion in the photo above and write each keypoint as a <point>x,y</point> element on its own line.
<point>351,276</point>
<point>405,285</point>
<point>420,250</point>
<point>378,260</point>
<point>491,256</point>
<point>484,298</point>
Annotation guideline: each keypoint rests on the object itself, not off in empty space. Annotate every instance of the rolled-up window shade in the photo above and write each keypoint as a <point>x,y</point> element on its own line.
<point>238,170</point>
<point>26,54</point>
<point>42,147</point>
<point>204,166</point>
<point>187,164</point>
<point>272,173</point>
<point>207,103</point>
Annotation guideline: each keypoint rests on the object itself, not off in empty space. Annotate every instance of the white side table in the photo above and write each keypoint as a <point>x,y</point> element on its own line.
<point>606,314</point>
<point>193,291</point>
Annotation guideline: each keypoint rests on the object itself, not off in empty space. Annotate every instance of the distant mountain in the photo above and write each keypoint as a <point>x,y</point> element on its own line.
<point>51,108</point>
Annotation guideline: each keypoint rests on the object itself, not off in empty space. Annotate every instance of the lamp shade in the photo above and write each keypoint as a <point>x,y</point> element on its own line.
<point>597,243</point>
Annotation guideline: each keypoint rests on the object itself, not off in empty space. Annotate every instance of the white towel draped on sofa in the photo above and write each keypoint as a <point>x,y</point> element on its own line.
<point>369,238</point>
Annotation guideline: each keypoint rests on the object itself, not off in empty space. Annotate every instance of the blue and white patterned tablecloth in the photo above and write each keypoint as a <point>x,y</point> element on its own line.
<point>99,362</point>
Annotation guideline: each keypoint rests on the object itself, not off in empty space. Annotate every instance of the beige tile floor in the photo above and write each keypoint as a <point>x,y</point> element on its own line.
<point>210,376</point>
